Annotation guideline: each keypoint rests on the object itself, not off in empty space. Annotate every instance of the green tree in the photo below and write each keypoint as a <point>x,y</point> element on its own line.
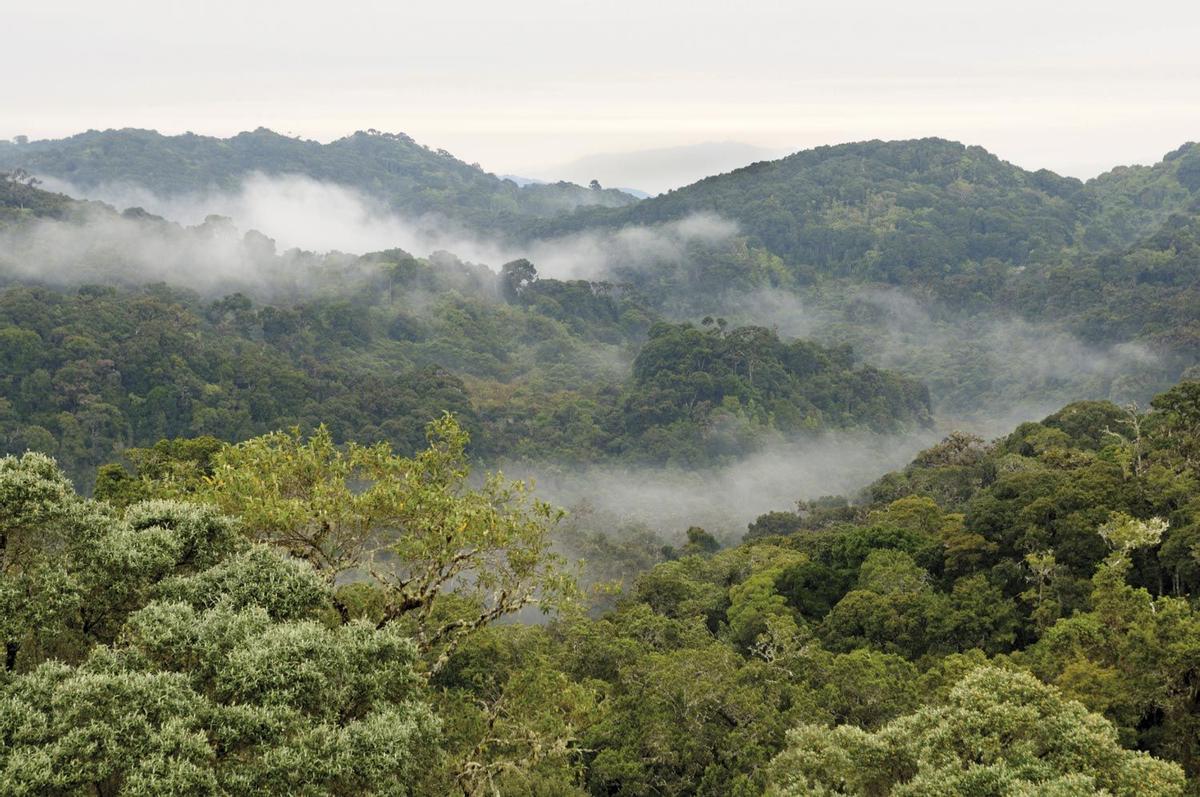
<point>162,653</point>
<point>447,558</point>
<point>999,733</point>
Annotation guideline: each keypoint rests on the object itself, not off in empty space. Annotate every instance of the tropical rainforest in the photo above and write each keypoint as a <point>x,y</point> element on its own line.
<point>256,535</point>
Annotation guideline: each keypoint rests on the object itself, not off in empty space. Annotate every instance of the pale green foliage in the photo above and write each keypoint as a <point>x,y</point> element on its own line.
<point>512,717</point>
<point>221,701</point>
<point>1124,533</point>
<point>202,663</point>
<point>257,576</point>
<point>886,571</point>
<point>448,559</point>
<point>756,609</point>
<point>1042,566</point>
<point>72,571</point>
<point>999,733</point>
<point>696,721</point>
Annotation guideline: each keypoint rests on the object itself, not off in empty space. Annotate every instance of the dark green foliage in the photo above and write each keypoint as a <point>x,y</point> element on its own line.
<point>878,644</point>
<point>697,391</point>
<point>20,198</point>
<point>104,372</point>
<point>892,211</point>
<point>879,617</point>
<point>93,373</point>
<point>411,178</point>
<point>376,346</point>
<point>1149,291</point>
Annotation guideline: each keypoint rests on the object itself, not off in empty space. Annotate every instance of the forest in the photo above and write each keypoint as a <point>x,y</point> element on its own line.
<point>1000,618</point>
<point>256,535</point>
<point>406,175</point>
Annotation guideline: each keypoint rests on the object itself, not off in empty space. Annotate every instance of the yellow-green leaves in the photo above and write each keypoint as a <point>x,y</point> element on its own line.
<point>412,528</point>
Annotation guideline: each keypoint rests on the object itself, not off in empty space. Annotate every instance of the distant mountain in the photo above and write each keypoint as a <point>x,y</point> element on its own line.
<point>663,168</point>
<point>917,211</point>
<point>878,209</point>
<point>522,181</point>
<point>121,328</point>
<point>1128,202</point>
<point>410,178</point>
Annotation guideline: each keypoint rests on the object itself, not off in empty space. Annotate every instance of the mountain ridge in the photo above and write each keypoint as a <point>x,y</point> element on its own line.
<point>411,178</point>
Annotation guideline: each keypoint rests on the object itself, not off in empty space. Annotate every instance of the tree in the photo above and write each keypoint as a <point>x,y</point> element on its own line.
<point>71,570</point>
<point>162,653</point>
<point>1177,421</point>
<point>1042,569</point>
<point>515,278</point>
<point>755,603</point>
<point>1125,534</point>
<point>221,701</point>
<point>1133,657</point>
<point>512,717</point>
<point>999,732</point>
<point>693,722</point>
<point>446,558</point>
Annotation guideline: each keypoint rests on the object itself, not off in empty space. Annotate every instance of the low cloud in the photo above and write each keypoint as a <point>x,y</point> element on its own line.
<point>299,212</point>
<point>986,372</point>
<point>107,248</point>
<point>994,371</point>
<point>725,499</point>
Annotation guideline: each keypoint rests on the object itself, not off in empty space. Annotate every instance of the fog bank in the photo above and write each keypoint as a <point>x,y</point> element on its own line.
<point>300,212</point>
<point>725,499</point>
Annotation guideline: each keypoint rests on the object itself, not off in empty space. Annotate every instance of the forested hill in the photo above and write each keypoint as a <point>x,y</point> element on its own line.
<point>1014,618</point>
<point>409,177</point>
<point>902,212</point>
<point>914,211</point>
<point>94,360</point>
<point>21,199</point>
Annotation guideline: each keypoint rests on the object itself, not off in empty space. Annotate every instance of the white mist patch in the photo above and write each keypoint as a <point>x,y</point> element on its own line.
<point>300,212</point>
<point>297,212</point>
<point>785,312</point>
<point>597,254</point>
<point>1031,367</point>
<point>725,499</point>
<point>109,249</point>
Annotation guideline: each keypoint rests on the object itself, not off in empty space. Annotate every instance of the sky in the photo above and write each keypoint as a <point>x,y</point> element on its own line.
<point>530,87</point>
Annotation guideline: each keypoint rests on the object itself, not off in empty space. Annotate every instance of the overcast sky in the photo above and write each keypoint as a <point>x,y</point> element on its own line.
<point>525,85</point>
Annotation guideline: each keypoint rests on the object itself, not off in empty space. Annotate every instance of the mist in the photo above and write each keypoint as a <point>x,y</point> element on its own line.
<point>986,373</point>
<point>298,212</point>
<point>107,248</point>
<point>1003,369</point>
<point>725,499</point>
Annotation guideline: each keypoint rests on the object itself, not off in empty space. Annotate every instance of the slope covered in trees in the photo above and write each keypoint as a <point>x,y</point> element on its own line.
<point>944,261</point>
<point>95,361</point>
<point>909,212</point>
<point>539,368</point>
<point>896,211</point>
<point>408,177</point>
<point>893,211</point>
<point>1005,618</point>
<point>963,232</point>
<point>91,372</point>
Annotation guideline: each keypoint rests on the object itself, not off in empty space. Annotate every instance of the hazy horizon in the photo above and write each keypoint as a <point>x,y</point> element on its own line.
<point>667,167</point>
<point>1075,87</point>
